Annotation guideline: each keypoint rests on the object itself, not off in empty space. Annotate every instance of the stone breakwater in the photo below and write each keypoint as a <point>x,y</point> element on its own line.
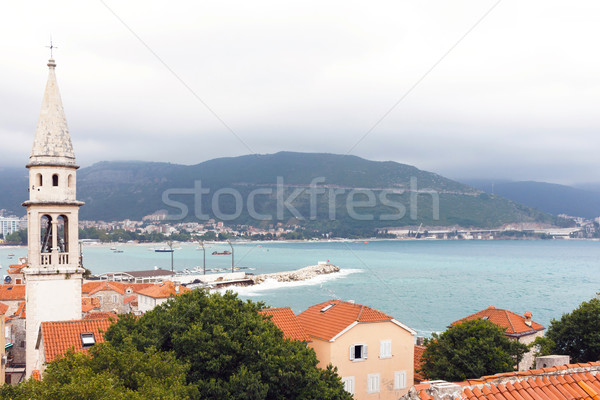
<point>298,275</point>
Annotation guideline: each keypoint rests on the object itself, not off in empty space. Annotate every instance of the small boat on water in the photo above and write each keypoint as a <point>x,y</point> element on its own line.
<point>117,251</point>
<point>11,255</point>
<point>221,253</point>
<point>164,250</point>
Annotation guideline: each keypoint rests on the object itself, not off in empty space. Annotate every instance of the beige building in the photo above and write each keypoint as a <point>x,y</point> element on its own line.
<point>516,327</point>
<point>53,274</point>
<point>157,294</point>
<point>374,353</point>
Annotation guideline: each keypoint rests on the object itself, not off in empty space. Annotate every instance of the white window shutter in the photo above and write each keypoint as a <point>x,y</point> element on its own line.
<point>365,351</point>
<point>400,380</point>
<point>352,353</point>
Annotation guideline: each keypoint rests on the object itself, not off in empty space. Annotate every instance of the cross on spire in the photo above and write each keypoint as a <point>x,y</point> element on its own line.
<point>51,47</point>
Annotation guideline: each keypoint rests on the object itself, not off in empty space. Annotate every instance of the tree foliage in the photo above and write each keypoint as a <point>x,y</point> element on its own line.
<point>470,350</point>
<point>577,333</point>
<point>232,351</point>
<point>108,373</point>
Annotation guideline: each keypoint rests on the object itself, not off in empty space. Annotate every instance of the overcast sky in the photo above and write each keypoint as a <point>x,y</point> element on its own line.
<point>516,98</point>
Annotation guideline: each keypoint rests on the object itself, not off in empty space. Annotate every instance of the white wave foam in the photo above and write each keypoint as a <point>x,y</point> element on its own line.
<point>272,284</point>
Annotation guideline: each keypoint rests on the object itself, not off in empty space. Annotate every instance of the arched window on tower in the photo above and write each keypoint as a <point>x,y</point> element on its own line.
<point>55,180</point>
<point>38,180</point>
<point>46,234</point>
<point>70,180</point>
<point>63,234</point>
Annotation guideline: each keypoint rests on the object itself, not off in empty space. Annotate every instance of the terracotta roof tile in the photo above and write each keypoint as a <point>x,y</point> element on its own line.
<point>418,362</point>
<point>326,320</point>
<point>20,313</point>
<point>102,315</point>
<point>12,292</point>
<point>513,323</point>
<point>3,308</point>
<point>15,268</point>
<point>59,336</point>
<point>129,299</point>
<point>92,287</point>
<point>286,320</point>
<point>571,382</point>
<point>163,290</point>
<point>89,303</point>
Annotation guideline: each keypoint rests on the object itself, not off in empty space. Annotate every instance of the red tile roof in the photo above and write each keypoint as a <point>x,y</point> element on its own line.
<point>12,292</point>
<point>513,323</point>
<point>119,287</point>
<point>130,299</point>
<point>3,308</point>
<point>418,362</point>
<point>566,382</point>
<point>20,313</point>
<point>102,315</point>
<point>326,320</point>
<point>163,290</point>
<point>89,303</point>
<point>286,320</point>
<point>15,268</point>
<point>59,336</point>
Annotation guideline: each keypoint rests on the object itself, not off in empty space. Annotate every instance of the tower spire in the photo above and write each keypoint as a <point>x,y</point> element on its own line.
<point>52,144</point>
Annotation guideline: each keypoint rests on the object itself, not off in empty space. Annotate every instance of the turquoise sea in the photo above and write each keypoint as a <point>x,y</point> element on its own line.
<point>424,284</point>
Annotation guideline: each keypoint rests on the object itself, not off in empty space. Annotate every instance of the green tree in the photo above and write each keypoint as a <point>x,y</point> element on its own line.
<point>232,351</point>
<point>108,373</point>
<point>470,350</point>
<point>576,333</point>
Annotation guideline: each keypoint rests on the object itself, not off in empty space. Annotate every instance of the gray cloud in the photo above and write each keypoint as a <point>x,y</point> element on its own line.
<point>516,99</point>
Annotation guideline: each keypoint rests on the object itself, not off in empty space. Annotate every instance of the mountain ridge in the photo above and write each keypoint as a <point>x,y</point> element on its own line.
<point>119,190</point>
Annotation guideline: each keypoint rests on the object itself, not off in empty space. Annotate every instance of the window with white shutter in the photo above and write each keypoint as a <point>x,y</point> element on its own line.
<point>348,382</point>
<point>385,349</point>
<point>400,380</point>
<point>373,383</point>
<point>359,352</point>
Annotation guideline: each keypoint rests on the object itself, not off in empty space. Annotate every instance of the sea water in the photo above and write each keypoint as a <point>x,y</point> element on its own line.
<point>424,284</point>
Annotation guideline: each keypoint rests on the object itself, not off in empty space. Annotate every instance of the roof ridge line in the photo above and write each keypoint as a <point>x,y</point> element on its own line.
<point>362,307</point>
<point>509,321</point>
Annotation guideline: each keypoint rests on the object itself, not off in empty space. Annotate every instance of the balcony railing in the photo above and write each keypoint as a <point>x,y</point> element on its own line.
<point>46,259</point>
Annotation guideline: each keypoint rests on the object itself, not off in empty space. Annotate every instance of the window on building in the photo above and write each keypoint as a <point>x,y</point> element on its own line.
<point>400,380</point>
<point>100,299</point>
<point>38,180</point>
<point>55,180</point>
<point>373,383</point>
<point>348,382</point>
<point>385,349</point>
<point>358,352</point>
<point>114,298</point>
<point>70,180</point>
<point>88,339</point>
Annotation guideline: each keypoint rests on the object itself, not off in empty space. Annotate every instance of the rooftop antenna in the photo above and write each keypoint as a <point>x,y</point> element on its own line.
<point>51,47</point>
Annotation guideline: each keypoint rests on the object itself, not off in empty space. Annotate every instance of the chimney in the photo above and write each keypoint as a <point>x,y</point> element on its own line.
<point>420,341</point>
<point>177,288</point>
<point>527,316</point>
<point>490,307</point>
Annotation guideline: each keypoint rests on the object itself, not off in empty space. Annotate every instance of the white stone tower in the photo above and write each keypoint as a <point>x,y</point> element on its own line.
<point>53,274</point>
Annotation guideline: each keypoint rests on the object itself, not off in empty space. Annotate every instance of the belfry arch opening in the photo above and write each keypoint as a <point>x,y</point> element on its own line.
<point>46,234</point>
<point>55,180</point>
<point>63,234</point>
<point>70,180</point>
<point>38,180</point>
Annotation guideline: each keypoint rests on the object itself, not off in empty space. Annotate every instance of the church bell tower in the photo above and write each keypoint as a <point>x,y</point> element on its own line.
<point>53,275</point>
